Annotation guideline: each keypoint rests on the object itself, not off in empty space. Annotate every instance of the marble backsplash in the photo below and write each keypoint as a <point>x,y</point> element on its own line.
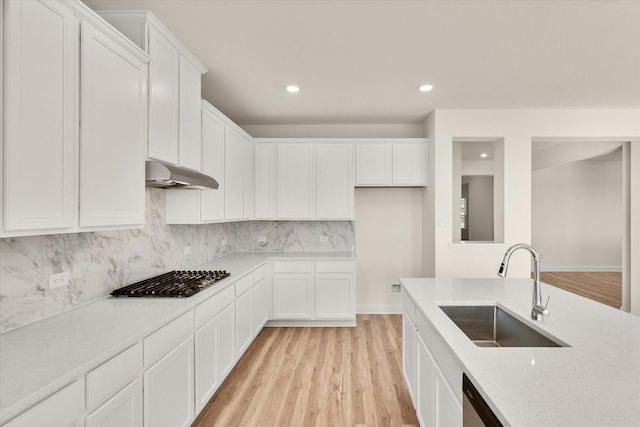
<point>102,261</point>
<point>303,236</point>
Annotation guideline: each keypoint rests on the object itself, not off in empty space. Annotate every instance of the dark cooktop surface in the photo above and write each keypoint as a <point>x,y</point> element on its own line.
<point>175,284</point>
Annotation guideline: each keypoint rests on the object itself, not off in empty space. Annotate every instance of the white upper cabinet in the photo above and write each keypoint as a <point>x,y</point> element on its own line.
<point>401,163</point>
<point>295,181</point>
<point>227,152</point>
<point>41,128</point>
<point>212,164</point>
<point>265,189</point>
<point>174,88</point>
<point>373,165</point>
<point>76,123</point>
<point>190,135</point>
<point>164,88</point>
<point>409,164</point>
<point>113,115</point>
<point>248,178</point>
<point>334,181</point>
<point>234,164</point>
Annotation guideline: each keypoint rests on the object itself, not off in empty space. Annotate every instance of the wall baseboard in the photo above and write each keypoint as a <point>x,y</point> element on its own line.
<point>614,268</point>
<point>379,309</point>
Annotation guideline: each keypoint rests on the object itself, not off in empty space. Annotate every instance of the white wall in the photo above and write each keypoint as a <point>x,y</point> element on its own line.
<point>576,222</point>
<point>518,127</point>
<point>388,244</point>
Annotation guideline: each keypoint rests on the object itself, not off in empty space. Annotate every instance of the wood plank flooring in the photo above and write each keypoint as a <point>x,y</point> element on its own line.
<point>604,287</point>
<point>317,377</point>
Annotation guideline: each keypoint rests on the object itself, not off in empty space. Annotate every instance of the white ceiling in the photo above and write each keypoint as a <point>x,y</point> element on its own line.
<point>360,61</point>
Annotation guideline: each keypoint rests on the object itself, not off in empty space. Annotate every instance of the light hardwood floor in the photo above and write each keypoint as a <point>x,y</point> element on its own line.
<point>317,377</point>
<point>604,287</point>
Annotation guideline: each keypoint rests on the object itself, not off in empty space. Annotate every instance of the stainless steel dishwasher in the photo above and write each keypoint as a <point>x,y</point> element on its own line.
<point>475,411</point>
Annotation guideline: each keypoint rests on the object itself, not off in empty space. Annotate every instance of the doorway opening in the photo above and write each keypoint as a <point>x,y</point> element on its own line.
<point>578,216</point>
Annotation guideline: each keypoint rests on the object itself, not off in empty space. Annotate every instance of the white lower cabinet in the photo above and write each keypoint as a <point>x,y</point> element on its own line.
<point>226,341</point>
<point>65,408</point>
<point>334,296</point>
<point>169,388</point>
<point>436,403</point>
<point>409,355</point>
<point>292,296</point>
<point>425,385</point>
<point>122,410</point>
<point>260,304</point>
<point>244,321</point>
<point>214,354</point>
<point>448,409</point>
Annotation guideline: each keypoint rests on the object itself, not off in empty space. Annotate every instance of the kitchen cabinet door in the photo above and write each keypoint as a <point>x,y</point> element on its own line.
<point>409,355</point>
<point>292,296</point>
<point>373,164</point>
<point>248,178</point>
<point>425,386</point>
<point>409,164</point>
<point>41,120</point>
<point>260,304</point>
<point>213,165</point>
<point>164,86</point>
<point>206,363</point>
<point>122,410</point>
<point>244,322</point>
<point>448,409</point>
<point>65,408</point>
<point>295,181</point>
<point>190,119</point>
<point>334,185</point>
<point>265,190</point>
<point>169,389</point>
<point>113,112</point>
<point>233,174</point>
<point>225,349</point>
<point>335,296</point>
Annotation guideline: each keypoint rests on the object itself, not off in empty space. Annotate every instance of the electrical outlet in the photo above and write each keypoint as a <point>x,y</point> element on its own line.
<point>187,250</point>
<point>262,239</point>
<point>324,238</point>
<point>58,280</point>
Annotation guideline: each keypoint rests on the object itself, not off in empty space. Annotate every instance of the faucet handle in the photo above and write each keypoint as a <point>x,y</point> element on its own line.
<point>545,312</point>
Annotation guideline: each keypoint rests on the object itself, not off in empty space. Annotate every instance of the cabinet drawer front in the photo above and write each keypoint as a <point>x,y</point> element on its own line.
<point>214,305</point>
<point>293,267</point>
<point>161,341</point>
<point>65,408</point>
<point>123,410</point>
<point>244,284</point>
<point>260,273</point>
<point>335,267</point>
<point>106,379</point>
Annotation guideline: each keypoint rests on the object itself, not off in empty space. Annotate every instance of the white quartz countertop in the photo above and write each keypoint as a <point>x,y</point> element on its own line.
<point>594,382</point>
<point>40,358</point>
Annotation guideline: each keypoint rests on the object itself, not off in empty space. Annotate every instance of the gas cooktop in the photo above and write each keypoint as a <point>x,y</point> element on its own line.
<point>174,284</point>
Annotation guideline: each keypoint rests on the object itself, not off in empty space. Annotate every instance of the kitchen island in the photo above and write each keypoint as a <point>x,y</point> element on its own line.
<point>594,381</point>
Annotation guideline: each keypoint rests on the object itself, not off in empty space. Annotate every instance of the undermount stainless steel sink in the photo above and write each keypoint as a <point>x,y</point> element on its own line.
<point>491,326</point>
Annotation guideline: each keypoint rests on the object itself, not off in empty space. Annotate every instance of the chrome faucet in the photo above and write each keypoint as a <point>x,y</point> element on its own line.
<point>537,309</point>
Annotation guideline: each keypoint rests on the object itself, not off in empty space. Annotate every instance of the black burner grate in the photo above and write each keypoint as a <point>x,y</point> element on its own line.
<point>178,283</point>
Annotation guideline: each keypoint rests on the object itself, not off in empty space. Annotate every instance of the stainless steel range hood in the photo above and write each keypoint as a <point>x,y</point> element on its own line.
<point>162,175</point>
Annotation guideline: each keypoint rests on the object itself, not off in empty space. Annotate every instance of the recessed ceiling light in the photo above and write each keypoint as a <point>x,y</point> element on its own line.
<point>292,88</point>
<point>425,88</point>
<point>483,155</point>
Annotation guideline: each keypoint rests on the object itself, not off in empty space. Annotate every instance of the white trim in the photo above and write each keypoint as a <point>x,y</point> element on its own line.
<point>379,308</point>
<point>614,268</point>
<point>307,323</point>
